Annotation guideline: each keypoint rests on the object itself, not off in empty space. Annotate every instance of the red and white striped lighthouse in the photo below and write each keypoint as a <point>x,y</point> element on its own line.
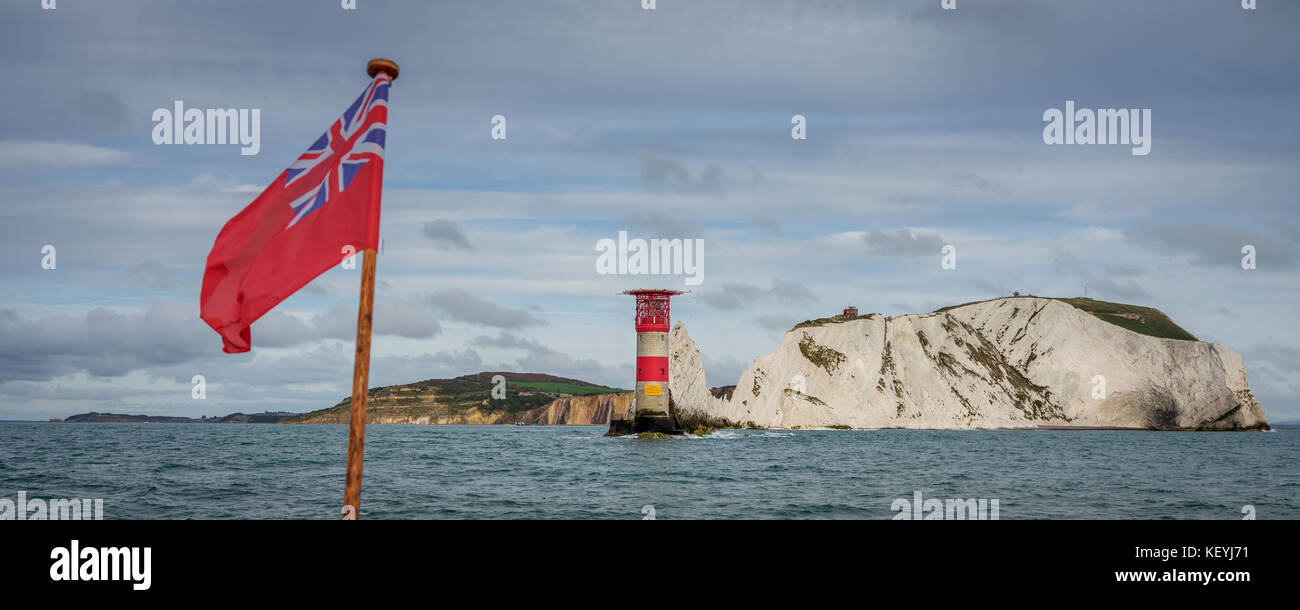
<point>650,405</point>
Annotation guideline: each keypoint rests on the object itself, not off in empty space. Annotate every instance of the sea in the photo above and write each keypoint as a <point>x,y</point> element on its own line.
<point>270,471</point>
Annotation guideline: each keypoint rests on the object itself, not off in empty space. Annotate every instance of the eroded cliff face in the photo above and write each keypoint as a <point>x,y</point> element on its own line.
<point>595,409</point>
<point>1008,363</point>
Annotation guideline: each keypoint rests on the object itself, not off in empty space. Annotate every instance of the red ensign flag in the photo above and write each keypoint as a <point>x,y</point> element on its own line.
<point>322,208</point>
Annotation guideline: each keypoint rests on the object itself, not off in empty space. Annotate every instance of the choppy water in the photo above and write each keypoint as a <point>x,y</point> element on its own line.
<point>208,471</point>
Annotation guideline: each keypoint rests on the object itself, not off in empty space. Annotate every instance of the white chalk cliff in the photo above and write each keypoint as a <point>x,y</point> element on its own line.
<point>1020,362</point>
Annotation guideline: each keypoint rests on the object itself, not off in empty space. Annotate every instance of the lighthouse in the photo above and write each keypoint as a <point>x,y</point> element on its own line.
<point>650,404</point>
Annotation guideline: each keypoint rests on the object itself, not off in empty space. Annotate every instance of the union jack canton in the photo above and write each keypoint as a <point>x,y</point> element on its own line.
<point>352,141</point>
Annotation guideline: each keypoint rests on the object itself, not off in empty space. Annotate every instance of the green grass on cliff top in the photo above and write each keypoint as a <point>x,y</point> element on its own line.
<point>1142,320</point>
<point>565,388</point>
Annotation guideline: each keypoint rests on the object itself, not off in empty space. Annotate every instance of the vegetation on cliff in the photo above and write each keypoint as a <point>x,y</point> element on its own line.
<point>831,320</point>
<point>819,355</point>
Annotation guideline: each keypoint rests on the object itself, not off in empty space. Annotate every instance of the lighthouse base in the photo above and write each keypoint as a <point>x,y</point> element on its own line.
<point>652,414</point>
<point>661,423</point>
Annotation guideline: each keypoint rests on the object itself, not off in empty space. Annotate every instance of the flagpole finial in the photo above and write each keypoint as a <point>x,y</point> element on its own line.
<point>380,64</point>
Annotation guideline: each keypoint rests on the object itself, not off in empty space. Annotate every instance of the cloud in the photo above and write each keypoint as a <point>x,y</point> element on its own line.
<point>1122,269</point>
<point>1068,263</point>
<point>978,182</point>
<point>777,322</point>
<point>96,112</point>
<point>153,274</point>
<point>721,371</point>
<point>398,369</point>
<point>670,174</point>
<point>903,243</point>
<point>736,295</point>
<point>107,343</point>
<point>543,359</point>
<point>766,224</point>
<point>102,342</point>
<point>30,155</point>
<point>1111,289</point>
<point>984,286</point>
<point>1220,245</point>
<point>1281,358</point>
<point>461,306</point>
<point>661,225</point>
<point>446,235</point>
<point>1274,373</point>
<point>400,317</point>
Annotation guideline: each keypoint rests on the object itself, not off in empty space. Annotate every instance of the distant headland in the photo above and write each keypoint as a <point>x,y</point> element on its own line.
<point>269,417</point>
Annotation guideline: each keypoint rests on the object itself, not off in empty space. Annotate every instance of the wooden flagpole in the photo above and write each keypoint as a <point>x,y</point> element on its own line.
<point>360,383</point>
<point>361,365</point>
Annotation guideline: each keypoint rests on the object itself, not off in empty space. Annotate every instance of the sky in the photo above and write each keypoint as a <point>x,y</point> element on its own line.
<point>924,129</point>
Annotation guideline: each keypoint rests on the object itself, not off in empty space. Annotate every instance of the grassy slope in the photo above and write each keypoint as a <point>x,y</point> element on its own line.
<point>461,394</point>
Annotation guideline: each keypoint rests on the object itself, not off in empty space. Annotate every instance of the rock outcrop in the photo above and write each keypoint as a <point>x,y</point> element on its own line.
<point>1021,362</point>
